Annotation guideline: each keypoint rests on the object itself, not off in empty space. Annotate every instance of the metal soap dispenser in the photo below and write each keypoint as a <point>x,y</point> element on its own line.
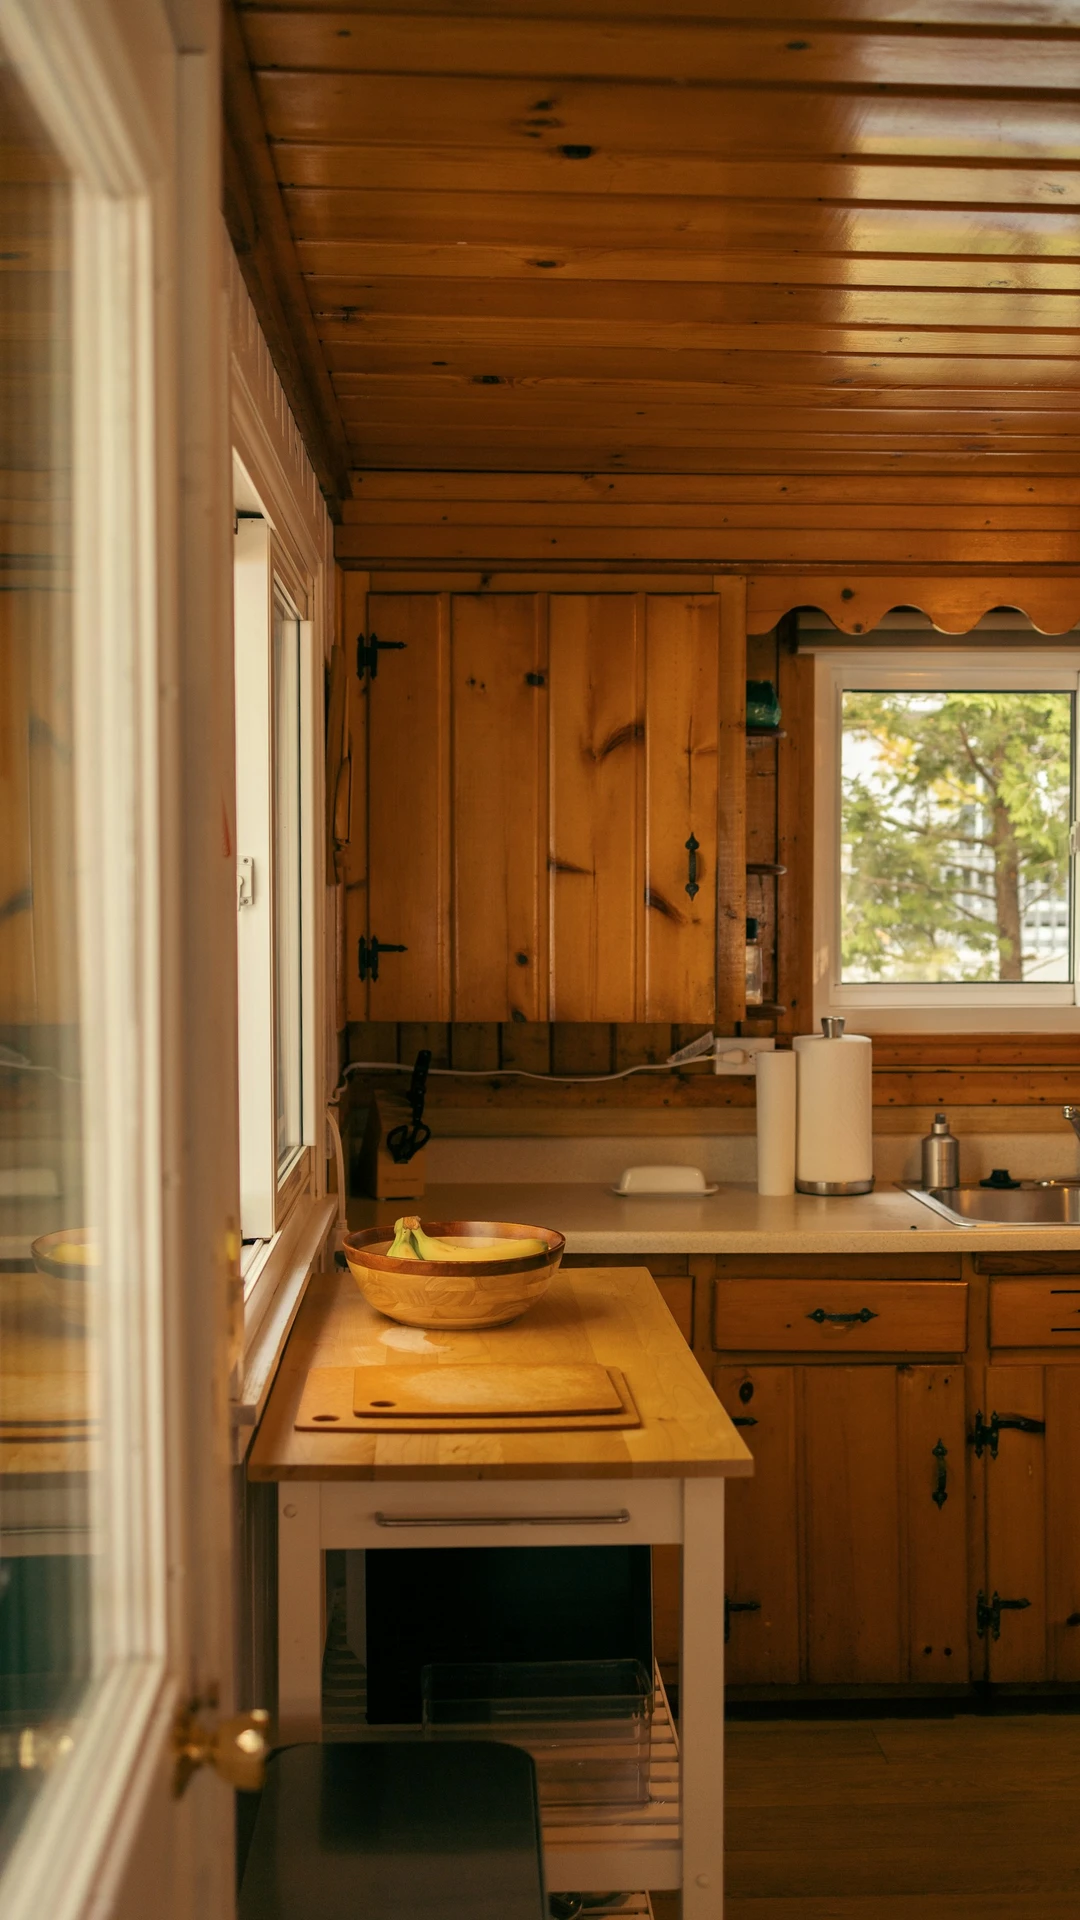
<point>940,1156</point>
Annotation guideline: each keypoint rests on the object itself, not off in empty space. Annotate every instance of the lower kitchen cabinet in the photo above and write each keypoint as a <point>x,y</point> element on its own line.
<point>1026,1433</point>
<point>847,1559</point>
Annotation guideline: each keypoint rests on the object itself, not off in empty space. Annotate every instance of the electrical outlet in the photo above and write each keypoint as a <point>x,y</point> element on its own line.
<point>737,1055</point>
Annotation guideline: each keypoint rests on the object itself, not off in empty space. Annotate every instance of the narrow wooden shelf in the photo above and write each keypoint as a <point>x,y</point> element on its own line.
<point>764,869</point>
<point>592,1848</point>
<point>754,734</point>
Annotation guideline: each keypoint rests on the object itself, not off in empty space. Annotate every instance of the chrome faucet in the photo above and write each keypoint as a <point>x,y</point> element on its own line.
<point>1072,1115</point>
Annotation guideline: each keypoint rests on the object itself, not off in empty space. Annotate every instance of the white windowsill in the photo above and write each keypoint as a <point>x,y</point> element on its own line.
<point>272,1305</point>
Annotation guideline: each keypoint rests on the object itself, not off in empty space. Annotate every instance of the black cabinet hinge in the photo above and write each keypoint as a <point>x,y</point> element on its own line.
<point>367,957</point>
<point>988,1613</point>
<point>985,1434</point>
<point>368,651</point>
<point>737,1606</point>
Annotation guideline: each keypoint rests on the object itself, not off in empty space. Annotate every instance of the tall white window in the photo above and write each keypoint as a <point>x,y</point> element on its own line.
<point>945,844</point>
<point>274,713</point>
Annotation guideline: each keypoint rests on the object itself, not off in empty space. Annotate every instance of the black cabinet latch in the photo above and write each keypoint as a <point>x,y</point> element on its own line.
<point>367,959</point>
<point>985,1436</point>
<point>368,651</point>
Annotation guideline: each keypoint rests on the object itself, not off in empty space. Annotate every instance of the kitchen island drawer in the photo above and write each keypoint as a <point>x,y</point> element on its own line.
<point>1035,1313</point>
<point>855,1316</point>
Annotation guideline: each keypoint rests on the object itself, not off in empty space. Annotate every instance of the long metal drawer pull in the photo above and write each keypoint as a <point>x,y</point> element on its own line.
<point>941,1493</point>
<point>842,1319</point>
<point>620,1518</point>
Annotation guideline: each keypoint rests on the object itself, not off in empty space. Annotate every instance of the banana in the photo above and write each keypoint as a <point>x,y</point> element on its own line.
<point>410,1242</point>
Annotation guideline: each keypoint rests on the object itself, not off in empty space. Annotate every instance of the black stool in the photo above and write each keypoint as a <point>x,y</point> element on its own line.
<point>398,1830</point>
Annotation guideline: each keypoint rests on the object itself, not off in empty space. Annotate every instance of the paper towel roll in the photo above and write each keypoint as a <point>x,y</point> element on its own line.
<point>834,1147</point>
<point>775,1075</point>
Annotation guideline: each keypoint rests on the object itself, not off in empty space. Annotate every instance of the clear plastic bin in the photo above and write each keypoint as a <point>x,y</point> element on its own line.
<point>587,1723</point>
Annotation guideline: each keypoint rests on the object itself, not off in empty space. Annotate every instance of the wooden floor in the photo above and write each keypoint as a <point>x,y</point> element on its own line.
<point>962,1817</point>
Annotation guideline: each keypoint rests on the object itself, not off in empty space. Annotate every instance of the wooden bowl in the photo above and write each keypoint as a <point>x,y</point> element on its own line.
<point>454,1294</point>
<point>68,1283</point>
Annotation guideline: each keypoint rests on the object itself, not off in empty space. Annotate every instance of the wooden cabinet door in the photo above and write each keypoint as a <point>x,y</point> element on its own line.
<point>934,1523</point>
<point>1032,1536</point>
<point>597,823</point>
<point>1062,1405</point>
<point>886,1568</point>
<point>555,808</point>
<point>408,809</point>
<point>1015,1489</point>
<point>761,1535</point>
<point>648,783</point>
<point>499,724</point>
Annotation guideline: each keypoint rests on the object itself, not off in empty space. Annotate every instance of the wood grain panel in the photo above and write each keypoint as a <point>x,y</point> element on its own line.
<point>1016,1525</point>
<point>855,1626</point>
<point>682,689</point>
<point>1062,1534</point>
<point>928,1316</point>
<point>933,1491</point>
<point>1035,1313</point>
<point>499,722</point>
<point>597,825</point>
<point>762,1528</point>
<point>408,786</point>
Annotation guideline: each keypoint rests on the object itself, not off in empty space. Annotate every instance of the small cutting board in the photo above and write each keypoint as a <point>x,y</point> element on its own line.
<point>484,1389</point>
<point>327,1405</point>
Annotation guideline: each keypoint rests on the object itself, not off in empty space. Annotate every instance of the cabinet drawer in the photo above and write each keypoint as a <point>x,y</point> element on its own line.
<point>1035,1313</point>
<point>840,1316</point>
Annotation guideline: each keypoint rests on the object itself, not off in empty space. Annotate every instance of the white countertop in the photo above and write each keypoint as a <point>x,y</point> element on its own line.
<point>735,1220</point>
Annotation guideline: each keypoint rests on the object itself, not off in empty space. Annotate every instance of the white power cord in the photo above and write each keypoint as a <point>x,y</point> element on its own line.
<point>492,1073</point>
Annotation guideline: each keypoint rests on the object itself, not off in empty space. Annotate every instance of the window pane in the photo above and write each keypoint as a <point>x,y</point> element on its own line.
<point>287,857</point>
<point>49,1651</point>
<point>955,816</point>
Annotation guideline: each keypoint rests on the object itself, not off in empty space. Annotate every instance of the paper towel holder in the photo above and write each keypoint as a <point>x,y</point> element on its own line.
<point>832,1028</point>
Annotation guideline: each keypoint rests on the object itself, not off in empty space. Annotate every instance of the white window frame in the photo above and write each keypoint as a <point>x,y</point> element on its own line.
<point>898,1008</point>
<point>103,80</point>
<point>267,1191</point>
<point>271,476</point>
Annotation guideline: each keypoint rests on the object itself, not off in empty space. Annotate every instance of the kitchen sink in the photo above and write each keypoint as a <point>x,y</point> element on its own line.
<point>1034,1203</point>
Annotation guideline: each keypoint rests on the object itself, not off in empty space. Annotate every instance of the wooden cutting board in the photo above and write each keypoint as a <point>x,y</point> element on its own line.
<point>484,1389</point>
<point>329,1397</point>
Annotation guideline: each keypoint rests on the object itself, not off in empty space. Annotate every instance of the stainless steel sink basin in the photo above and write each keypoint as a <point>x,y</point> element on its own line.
<point>1034,1203</point>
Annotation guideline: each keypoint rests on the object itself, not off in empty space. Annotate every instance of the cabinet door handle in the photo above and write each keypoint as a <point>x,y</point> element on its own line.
<point>692,846</point>
<point>940,1493</point>
<point>842,1319</point>
<point>620,1518</point>
<point>743,1420</point>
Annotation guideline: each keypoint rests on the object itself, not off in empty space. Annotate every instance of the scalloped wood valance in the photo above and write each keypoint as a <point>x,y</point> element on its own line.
<point>857,604</point>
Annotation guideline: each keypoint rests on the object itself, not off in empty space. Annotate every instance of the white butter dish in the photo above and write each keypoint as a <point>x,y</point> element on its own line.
<point>663,1181</point>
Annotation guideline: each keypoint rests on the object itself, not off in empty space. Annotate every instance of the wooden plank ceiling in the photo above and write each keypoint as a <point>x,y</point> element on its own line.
<point>782,244</point>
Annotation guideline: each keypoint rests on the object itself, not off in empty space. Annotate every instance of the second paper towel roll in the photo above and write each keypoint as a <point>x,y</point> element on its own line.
<point>775,1075</point>
<point>834,1147</point>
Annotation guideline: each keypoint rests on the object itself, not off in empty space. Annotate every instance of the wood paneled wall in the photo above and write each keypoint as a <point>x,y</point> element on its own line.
<point>988,517</point>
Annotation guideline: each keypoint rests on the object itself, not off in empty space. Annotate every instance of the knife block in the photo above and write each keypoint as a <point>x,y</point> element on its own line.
<point>380,1177</point>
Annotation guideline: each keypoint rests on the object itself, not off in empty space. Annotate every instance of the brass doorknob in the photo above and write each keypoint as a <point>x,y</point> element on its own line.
<point>236,1748</point>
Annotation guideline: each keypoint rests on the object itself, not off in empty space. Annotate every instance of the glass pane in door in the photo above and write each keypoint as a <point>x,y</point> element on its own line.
<point>49,1649</point>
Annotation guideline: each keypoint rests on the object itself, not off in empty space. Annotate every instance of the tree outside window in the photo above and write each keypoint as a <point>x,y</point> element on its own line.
<point>955,817</point>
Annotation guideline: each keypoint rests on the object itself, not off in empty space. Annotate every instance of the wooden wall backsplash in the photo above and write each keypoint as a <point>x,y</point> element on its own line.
<point>913,1074</point>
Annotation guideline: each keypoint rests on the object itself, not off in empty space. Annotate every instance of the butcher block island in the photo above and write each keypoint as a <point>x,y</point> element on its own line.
<point>657,1483</point>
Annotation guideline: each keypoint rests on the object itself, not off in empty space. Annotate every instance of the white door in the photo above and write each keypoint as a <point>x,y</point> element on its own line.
<point>118,1158</point>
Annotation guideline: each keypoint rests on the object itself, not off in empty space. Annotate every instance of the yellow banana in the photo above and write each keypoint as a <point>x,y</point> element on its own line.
<point>410,1242</point>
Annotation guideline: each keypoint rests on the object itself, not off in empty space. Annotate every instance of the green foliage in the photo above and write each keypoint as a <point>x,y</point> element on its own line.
<point>955,820</point>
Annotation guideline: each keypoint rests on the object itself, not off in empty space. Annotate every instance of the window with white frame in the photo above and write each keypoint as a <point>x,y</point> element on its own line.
<point>274,719</point>
<point>945,843</point>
